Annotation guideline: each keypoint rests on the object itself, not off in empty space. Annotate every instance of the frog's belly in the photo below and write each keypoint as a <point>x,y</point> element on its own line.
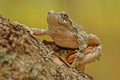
<point>66,42</point>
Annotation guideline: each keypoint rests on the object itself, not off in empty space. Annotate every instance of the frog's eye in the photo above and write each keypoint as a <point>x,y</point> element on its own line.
<point>64,15</point>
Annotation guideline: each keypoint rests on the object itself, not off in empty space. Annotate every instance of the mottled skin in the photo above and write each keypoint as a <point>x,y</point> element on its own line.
<point>64,32</point>
<point>67,34</point>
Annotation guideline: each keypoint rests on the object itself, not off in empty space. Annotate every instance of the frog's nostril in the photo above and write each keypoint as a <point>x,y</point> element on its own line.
<point>51,12</point>
<point>48,12</point>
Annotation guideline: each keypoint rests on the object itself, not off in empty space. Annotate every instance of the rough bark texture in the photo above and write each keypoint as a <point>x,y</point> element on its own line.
<point>24,57</point>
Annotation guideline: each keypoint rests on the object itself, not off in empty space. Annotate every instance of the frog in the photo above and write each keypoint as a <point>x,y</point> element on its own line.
<point>67,34</point>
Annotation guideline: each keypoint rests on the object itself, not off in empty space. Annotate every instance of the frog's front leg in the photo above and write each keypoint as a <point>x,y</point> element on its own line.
<point>82,40</point>
<point>38,32</point>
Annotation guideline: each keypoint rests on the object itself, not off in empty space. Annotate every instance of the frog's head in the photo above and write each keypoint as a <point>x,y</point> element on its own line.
<point>58,19</point>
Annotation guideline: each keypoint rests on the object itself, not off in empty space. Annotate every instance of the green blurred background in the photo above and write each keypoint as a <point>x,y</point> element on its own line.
<point>100,17</point>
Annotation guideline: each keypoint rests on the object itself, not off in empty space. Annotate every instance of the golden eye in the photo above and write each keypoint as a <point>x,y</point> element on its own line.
<point>65,16</point>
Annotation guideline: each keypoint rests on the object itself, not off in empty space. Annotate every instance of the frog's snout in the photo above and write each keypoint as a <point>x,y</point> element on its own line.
<point>51,12</point>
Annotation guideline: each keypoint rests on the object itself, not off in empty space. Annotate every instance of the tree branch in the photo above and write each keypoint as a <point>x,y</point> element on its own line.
<point>24,57</point>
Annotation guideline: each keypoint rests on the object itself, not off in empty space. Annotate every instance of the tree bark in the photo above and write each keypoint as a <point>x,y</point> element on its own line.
<point>24,57</point>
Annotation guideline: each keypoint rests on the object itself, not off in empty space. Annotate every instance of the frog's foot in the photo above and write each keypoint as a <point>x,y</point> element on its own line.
<point>93,40</point>
<point>88,55</point>
<point>93,51</point>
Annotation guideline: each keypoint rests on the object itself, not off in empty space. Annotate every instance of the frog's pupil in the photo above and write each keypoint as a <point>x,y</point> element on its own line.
<point>65,16</point>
